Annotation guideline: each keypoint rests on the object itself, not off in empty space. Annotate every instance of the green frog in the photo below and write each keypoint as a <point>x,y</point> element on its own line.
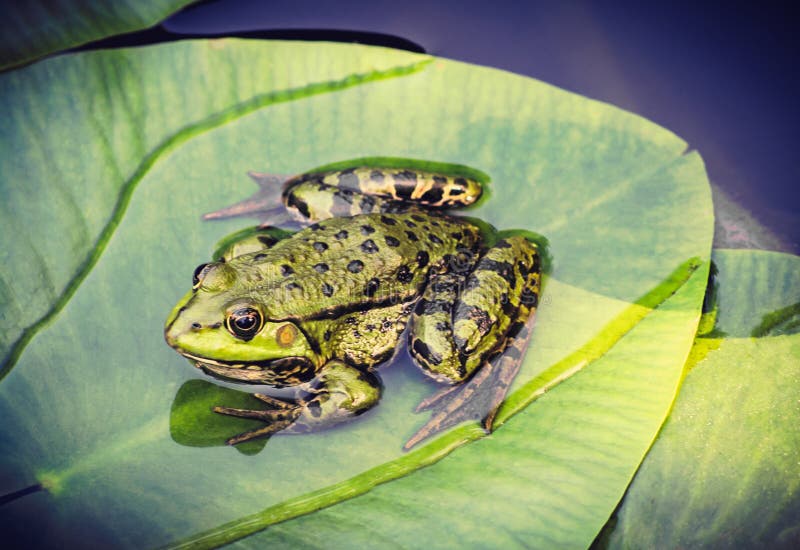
<point>320,309</point>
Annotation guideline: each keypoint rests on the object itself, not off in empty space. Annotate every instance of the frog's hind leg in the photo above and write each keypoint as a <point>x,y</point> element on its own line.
<point>355,191</point>
<point>457,338</point>
<point>336,395</point>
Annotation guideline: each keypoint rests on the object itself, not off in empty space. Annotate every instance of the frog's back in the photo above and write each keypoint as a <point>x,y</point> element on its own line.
<point>345,264</point>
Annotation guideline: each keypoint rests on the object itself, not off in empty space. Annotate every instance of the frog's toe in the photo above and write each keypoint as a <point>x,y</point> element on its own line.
<point>437,398</point>
<point>265,416</point>
<point>274,402</point>
<point>276,420</point>
<point>263,431</point>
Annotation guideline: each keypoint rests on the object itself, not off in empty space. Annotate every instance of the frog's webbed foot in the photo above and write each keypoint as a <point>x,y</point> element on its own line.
<point>265,204</point>
<point>480,397</point>
<point>277,418</point>
<point>336,395</point>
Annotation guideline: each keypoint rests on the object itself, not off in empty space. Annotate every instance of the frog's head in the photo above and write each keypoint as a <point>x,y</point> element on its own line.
<point>223,326</point>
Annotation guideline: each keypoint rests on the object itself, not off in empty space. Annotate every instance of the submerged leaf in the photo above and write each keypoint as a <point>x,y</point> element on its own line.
<point>724,472</point>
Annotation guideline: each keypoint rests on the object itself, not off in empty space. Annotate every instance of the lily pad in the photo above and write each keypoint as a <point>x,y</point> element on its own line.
<point>86,408</point>
<point>724,472</point>
<point>30,30</point>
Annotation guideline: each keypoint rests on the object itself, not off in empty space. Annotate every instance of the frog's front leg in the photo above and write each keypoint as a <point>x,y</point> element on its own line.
<point>337,394</point>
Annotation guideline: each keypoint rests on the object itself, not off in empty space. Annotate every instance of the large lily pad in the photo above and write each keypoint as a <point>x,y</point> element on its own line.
<point>86,408</point>
<point>31,29</point>
<point>724,472</point>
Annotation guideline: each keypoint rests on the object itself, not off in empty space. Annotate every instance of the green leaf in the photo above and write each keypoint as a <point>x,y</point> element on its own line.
<point>35,28</point>
<point>167,133</point>
<point>80,132</point>
<point>724,472</point>
<point>755,287</point>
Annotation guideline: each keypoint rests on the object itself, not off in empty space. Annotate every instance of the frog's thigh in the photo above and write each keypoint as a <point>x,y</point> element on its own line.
<point>457,326</point>
<point>337,394</point>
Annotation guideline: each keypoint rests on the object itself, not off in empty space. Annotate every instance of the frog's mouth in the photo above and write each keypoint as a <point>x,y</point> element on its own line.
<point>285,371</point>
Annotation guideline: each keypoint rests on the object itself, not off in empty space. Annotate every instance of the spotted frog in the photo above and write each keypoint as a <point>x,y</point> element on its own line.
<point>320,309</point>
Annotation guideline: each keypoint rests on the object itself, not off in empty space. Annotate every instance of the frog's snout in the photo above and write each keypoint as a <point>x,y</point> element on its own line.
<point>178,328</point>
<point>171,334</point>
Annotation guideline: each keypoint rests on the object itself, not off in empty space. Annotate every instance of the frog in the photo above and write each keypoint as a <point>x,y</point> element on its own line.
<point>381,263</point>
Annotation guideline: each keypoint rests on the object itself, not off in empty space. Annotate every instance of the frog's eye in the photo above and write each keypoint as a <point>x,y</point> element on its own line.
<point>197,278</point>
<point>285,335</point>
<point>244,323</point>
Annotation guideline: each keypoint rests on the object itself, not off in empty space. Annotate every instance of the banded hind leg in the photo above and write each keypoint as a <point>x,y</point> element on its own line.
<point>464,323</point>
<point>318,196</point>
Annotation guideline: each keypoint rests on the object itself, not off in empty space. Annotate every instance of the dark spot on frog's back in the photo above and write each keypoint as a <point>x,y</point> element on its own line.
<point>404,274</point>
<point>422,258</point>
<point>411,236</point>
<point>320,246</point>
<point>321,268</point>
<point>327,290</point>
<point>367,229</point>
<point>388,221</point>
<point>434,239</point>
<point>341,234</point>
<point>372,287</point>
<point>369,246</point>
<point>286,270</point>
<point>355,266</point>
<point>391,241</point>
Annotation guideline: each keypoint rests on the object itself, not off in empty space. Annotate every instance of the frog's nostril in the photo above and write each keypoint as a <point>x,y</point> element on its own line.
<point>196,326</point>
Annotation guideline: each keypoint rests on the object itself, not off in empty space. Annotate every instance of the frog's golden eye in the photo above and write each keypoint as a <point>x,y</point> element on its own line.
<point>197,278</point>
<point>285,335</point>
<point>244,323</point>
